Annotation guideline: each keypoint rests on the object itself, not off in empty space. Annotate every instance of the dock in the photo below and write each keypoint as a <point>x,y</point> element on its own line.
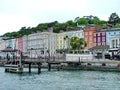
<point>105,65</point>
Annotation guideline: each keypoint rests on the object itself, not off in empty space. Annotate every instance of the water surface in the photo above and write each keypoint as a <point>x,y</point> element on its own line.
<point>60,80</point>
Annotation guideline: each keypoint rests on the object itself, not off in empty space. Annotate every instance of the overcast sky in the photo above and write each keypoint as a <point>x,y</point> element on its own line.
<point>15,14</point>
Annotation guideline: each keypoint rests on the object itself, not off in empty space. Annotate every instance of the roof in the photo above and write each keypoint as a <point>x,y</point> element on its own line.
<point>101,47</point>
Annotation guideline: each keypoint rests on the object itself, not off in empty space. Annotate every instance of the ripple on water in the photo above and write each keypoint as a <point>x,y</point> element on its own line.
<point>60,80</point>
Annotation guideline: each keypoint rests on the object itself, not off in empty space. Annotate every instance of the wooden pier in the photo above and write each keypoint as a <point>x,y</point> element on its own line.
<point>33,62</point>
<point>105,65</point>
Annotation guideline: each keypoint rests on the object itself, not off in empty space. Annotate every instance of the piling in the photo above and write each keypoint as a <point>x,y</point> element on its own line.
<point>29,67</point>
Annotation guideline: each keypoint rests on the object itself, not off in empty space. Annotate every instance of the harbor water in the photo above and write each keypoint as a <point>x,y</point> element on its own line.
<point>60,80</point>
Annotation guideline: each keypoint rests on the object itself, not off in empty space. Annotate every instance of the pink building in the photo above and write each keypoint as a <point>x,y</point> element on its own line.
<point>20,43</point>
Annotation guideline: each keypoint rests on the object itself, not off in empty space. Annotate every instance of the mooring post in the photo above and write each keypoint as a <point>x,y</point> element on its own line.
<point>29,67</point>
<point>49,66</point>
<point>58,67</point>
<point>39,68</point>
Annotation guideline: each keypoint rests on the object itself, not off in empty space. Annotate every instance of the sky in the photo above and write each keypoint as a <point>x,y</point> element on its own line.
<point>15,14</point>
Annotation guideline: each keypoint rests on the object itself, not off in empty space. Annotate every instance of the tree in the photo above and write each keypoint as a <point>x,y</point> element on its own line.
<point>113,19</point>
<point>82,21</point>
<point>71,23</point>
<point>77,43</point>
<point>96,20</point>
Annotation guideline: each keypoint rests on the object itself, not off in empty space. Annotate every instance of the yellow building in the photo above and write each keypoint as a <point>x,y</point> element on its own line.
<point>60,40</point>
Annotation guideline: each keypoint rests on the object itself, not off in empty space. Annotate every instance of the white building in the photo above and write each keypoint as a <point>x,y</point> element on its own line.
<point>2,43</point>
<point>25,43</point>
<point>115,43</point>
<point>2,47</point>
<point>40,43</point>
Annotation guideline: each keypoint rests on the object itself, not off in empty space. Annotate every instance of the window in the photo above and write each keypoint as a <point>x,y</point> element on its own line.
<point>98,39</point>
<point>91,39</point>
<point>86,33</point>
<point>98,34</point>
<point>99,44</point>
<point>94,44</point>
<point>90,33</point>
<point>90,45</point>
<point>94,39</point>
<point>103,33</point>
<point>86,39</point>
<point>103,38</point>
<point>113,44</point>
<point>94,34</point>
<point>103,43</point>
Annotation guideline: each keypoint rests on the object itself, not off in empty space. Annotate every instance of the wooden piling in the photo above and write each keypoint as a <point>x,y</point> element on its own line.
<point>29,67</point>
<point>39,68</point>
<point>49,66</point>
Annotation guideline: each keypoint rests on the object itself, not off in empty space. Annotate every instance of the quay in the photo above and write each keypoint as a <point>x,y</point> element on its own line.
<point>107,65</point>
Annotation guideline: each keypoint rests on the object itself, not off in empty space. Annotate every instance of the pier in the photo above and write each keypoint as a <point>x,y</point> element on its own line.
<point>105,65</point>
<point>108,65</point>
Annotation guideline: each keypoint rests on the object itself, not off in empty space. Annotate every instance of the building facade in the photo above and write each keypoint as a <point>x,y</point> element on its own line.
<point>2,43</point>
<point>114,43</point>
<point>89,36</point>
<point>61,41</point>
<point>110,33</point>
<point>100,37</point>
<point>25,43</point>
<point>40,43</point>
<point>77,32</point>
<point>20,43</point>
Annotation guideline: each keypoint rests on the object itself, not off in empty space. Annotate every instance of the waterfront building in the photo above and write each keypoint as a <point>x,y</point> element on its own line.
<point>2,43</point>
<point>49,43</point>
<point>114,43</point>
<point>10,42</point>
<point>61,41</point>
<point>40,43</point>
<point>100,37</point>
<point>111,32</point>
<point>78,32</point>
<point>112,39</point>
<point>10,47</point>
<point>34,44</point>
<point>89,36</point>
<point>2,47</point>
<point>20,43</point>
<point>25,42</point>
<point>100,49</point>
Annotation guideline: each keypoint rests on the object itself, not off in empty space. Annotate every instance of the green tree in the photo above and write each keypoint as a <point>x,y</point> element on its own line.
<point>113,19</point>
<point>71,23</point>
<point>82,21</point>
<point>77,43</point>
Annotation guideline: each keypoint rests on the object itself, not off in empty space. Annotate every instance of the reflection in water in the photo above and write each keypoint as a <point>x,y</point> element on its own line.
<point>60,80</point>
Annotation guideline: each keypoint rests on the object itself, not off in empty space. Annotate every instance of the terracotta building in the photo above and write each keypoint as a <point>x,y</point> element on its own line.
<point>89,36</point>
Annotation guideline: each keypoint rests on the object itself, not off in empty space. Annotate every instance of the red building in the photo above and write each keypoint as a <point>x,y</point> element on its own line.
<point>89,36</point>
<point>20,43</point>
